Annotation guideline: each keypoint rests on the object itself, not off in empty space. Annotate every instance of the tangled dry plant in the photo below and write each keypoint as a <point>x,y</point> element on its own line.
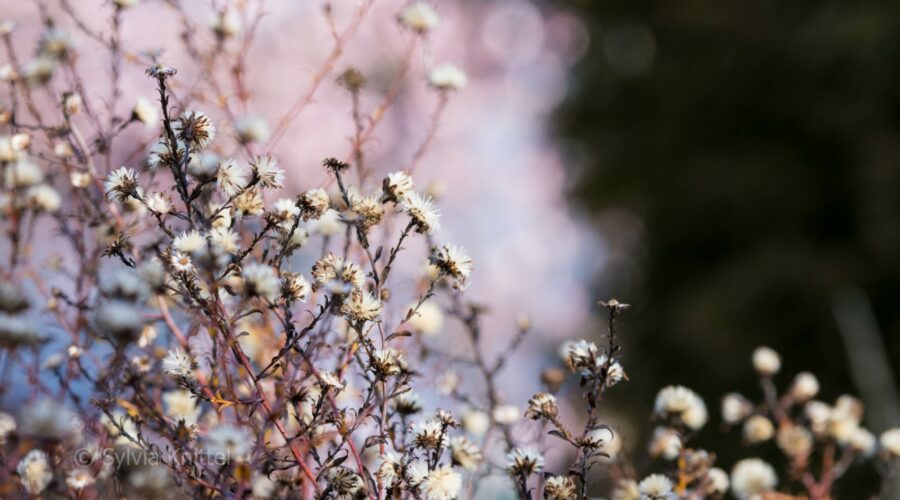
<point>179,348</point>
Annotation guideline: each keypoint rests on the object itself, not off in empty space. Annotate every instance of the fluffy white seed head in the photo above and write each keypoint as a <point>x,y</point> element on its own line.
<point>766,361</point>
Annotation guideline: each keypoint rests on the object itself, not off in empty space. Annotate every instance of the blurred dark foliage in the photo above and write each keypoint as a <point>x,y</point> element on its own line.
<point>758,145</point>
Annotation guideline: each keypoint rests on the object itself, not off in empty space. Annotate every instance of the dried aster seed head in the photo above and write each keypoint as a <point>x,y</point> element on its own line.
<point>145,112</point>
<point>229,442</point>
<point>195,129</point>
<point>285,210</point>
<point>368,211</point>
<point>863,443</point>
<point>465,453</point>
<point>390,471</point>
<point>665,443</point>
<point>178,364</point>
<point>446,419</point>
<point>752,477</point>
<point>266,171</point>
<point>614,305</point>
<point>352,80</point>
<point>49,419</point>
<point>396,186</point>
<point>429,434</point>
<point>560,488</point>
<point>161,71</point>
<point>794,440</point>
<point>261,281</point>
<point>506,414</point>
<point>119,319</point>
<point>333,268</point>
<point>682,404</point>
<point>717,481</point>
<point>766,361</point>
<point>387,362</point>
<point>407,403</point>
<point>656,487</point>
<point>250,202</point>
<point>159,203</point>
<point>419,16</point>
<point>553,378</point>
<point>189,242</point>
<point>54,42</point>
<point>447,77</point>
<point>335,165</point>
<point>361,306</point>
<point>542,405</point>
<point>121,184</point>
<point>805,386</point>
<point>124,284</point>
<point>328,380</point>
<point>453,263</point>
<point>735,408</point>
<point>294,287</point>
<point>226,24</point>
<point>313,203</point>
<point>251,128</point>
<point>34,472</point>
<point>161,156</point>
<point>39,70</point>
<point>758,429</point>
<point>524,462</point>
<point>596,438</point>
<point>230,177</point>
<point>581,355</point>
<point>626,489</point>
<point>890,442</point>
<point>72,104</point>
<point>16,332</point>
<point>12,299</point>
<point>442,483</point>
<point>422,213</point>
